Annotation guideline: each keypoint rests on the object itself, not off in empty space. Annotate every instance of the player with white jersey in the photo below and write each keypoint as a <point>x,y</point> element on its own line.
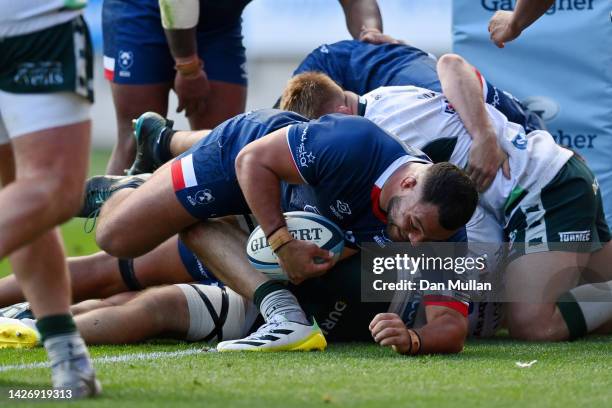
<point>546,200</point>
<point>45,98</point>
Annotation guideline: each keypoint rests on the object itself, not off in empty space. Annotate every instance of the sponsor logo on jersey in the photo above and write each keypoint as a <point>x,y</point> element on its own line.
<point>41,73</point>
<point>350,237</point>
<point>520,141</point>
<point>304,157</point>
<point>202,197</point>
<point>575,236</point>
<point>558,5</point>
<point>343,207</point>
<point>324,49</point>
<point>545,107</point>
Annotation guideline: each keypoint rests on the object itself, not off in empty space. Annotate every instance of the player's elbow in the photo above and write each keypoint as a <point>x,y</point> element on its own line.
<point>455,333</point>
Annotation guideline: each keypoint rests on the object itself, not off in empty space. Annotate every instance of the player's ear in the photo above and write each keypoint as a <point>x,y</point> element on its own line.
<point>408,182</point>
<point>343,109</point>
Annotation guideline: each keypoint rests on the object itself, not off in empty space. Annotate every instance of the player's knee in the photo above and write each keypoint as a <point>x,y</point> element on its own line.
<point>450,61</point>
<point>531,326</point>
<point>191,235</point>
<point>165,303</point>
<point>114,241</point>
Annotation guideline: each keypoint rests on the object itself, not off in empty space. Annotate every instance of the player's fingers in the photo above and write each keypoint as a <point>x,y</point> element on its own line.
<point>380,326</point>
<point>385,333</point>
<point>320,268</point>
<point>324,254</point>
<point>380,317</point>
<point>392,341</point>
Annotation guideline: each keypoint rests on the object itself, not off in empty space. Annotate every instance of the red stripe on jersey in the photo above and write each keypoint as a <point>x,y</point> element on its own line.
<point>178,181</point>
<point>108,74</point>
<point>375,198</point>
<point>446,301</point>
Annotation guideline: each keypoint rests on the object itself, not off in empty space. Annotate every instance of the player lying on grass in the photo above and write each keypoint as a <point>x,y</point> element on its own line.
<point>100,275</point>
<point>203,183</point>
<point>209,312</point>
<point>546,201</point>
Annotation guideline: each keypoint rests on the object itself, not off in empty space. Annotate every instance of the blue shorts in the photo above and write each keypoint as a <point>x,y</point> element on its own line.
<point>136,51</point>
<point>202,184</point>
<point>198,271</point>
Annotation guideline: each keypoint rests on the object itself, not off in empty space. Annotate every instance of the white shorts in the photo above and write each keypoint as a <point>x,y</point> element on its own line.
<point>206,310</point>
<point>21,114</point>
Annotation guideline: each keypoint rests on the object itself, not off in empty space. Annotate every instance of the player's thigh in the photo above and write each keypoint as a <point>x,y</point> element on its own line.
<point>140,76</point>
<point>534,282</point>
<point>150,215</point>
<point>225,101</point>
<point>164,265</point>
<point>131,101</point>
<point>56,155</point>
<point>49,131</point>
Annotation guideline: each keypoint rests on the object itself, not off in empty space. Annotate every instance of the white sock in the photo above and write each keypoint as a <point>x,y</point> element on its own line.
<point>282,302</point>
<point>595,302</point>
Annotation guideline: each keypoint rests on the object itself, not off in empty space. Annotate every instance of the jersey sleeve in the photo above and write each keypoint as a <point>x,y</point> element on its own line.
<point>331,148</point>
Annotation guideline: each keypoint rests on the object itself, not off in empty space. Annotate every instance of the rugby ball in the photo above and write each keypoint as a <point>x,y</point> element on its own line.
<point>302,225</point>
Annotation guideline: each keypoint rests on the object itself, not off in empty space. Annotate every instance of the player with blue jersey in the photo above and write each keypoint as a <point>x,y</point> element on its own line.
<point>193,47</point>
<point>238,169</point>
<point>398,65</point>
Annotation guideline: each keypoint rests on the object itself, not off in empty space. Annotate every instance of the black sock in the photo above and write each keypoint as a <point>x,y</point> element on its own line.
<point>55,325</point>
<point>164,154</point>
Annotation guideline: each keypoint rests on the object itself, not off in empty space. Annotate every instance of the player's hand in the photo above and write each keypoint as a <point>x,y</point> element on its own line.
<point>302,260</point>
<point>388,329</point>
<point>502,28</point>
<point>192,92</point>
<point>374,36</point>
<point>486,157</point>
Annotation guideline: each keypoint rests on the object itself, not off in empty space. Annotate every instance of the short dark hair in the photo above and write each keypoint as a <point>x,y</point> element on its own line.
<point>453,192</point>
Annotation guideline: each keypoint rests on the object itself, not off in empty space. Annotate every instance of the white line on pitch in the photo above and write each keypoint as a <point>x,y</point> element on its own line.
<point>122,358</point>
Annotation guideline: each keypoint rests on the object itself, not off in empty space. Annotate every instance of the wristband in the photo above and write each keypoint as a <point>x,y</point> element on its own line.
<point>279,238</point>
<point>415,342</point>
<point>189,68</point>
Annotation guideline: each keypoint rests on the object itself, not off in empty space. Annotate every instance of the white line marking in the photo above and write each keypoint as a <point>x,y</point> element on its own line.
<point>122,358</point>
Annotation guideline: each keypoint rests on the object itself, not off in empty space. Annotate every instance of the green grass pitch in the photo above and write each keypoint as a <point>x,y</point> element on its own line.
<point>163,374</point>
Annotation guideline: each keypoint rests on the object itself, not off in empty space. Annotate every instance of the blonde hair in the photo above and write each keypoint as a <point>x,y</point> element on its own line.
<point>310,94</point>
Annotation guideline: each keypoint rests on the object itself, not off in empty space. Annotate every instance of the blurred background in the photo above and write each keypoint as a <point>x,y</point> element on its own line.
<point>277,35</point>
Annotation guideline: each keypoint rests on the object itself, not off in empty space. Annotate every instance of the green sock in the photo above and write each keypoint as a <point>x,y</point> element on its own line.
<point>55,325</point>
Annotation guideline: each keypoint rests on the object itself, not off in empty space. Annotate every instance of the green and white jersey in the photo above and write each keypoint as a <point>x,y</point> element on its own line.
<point>426,120</point>
<point>20,17</point>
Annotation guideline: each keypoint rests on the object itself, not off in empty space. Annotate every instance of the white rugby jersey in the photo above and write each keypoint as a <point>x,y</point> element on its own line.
<point>20,17</point>
<point>425,120</point>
